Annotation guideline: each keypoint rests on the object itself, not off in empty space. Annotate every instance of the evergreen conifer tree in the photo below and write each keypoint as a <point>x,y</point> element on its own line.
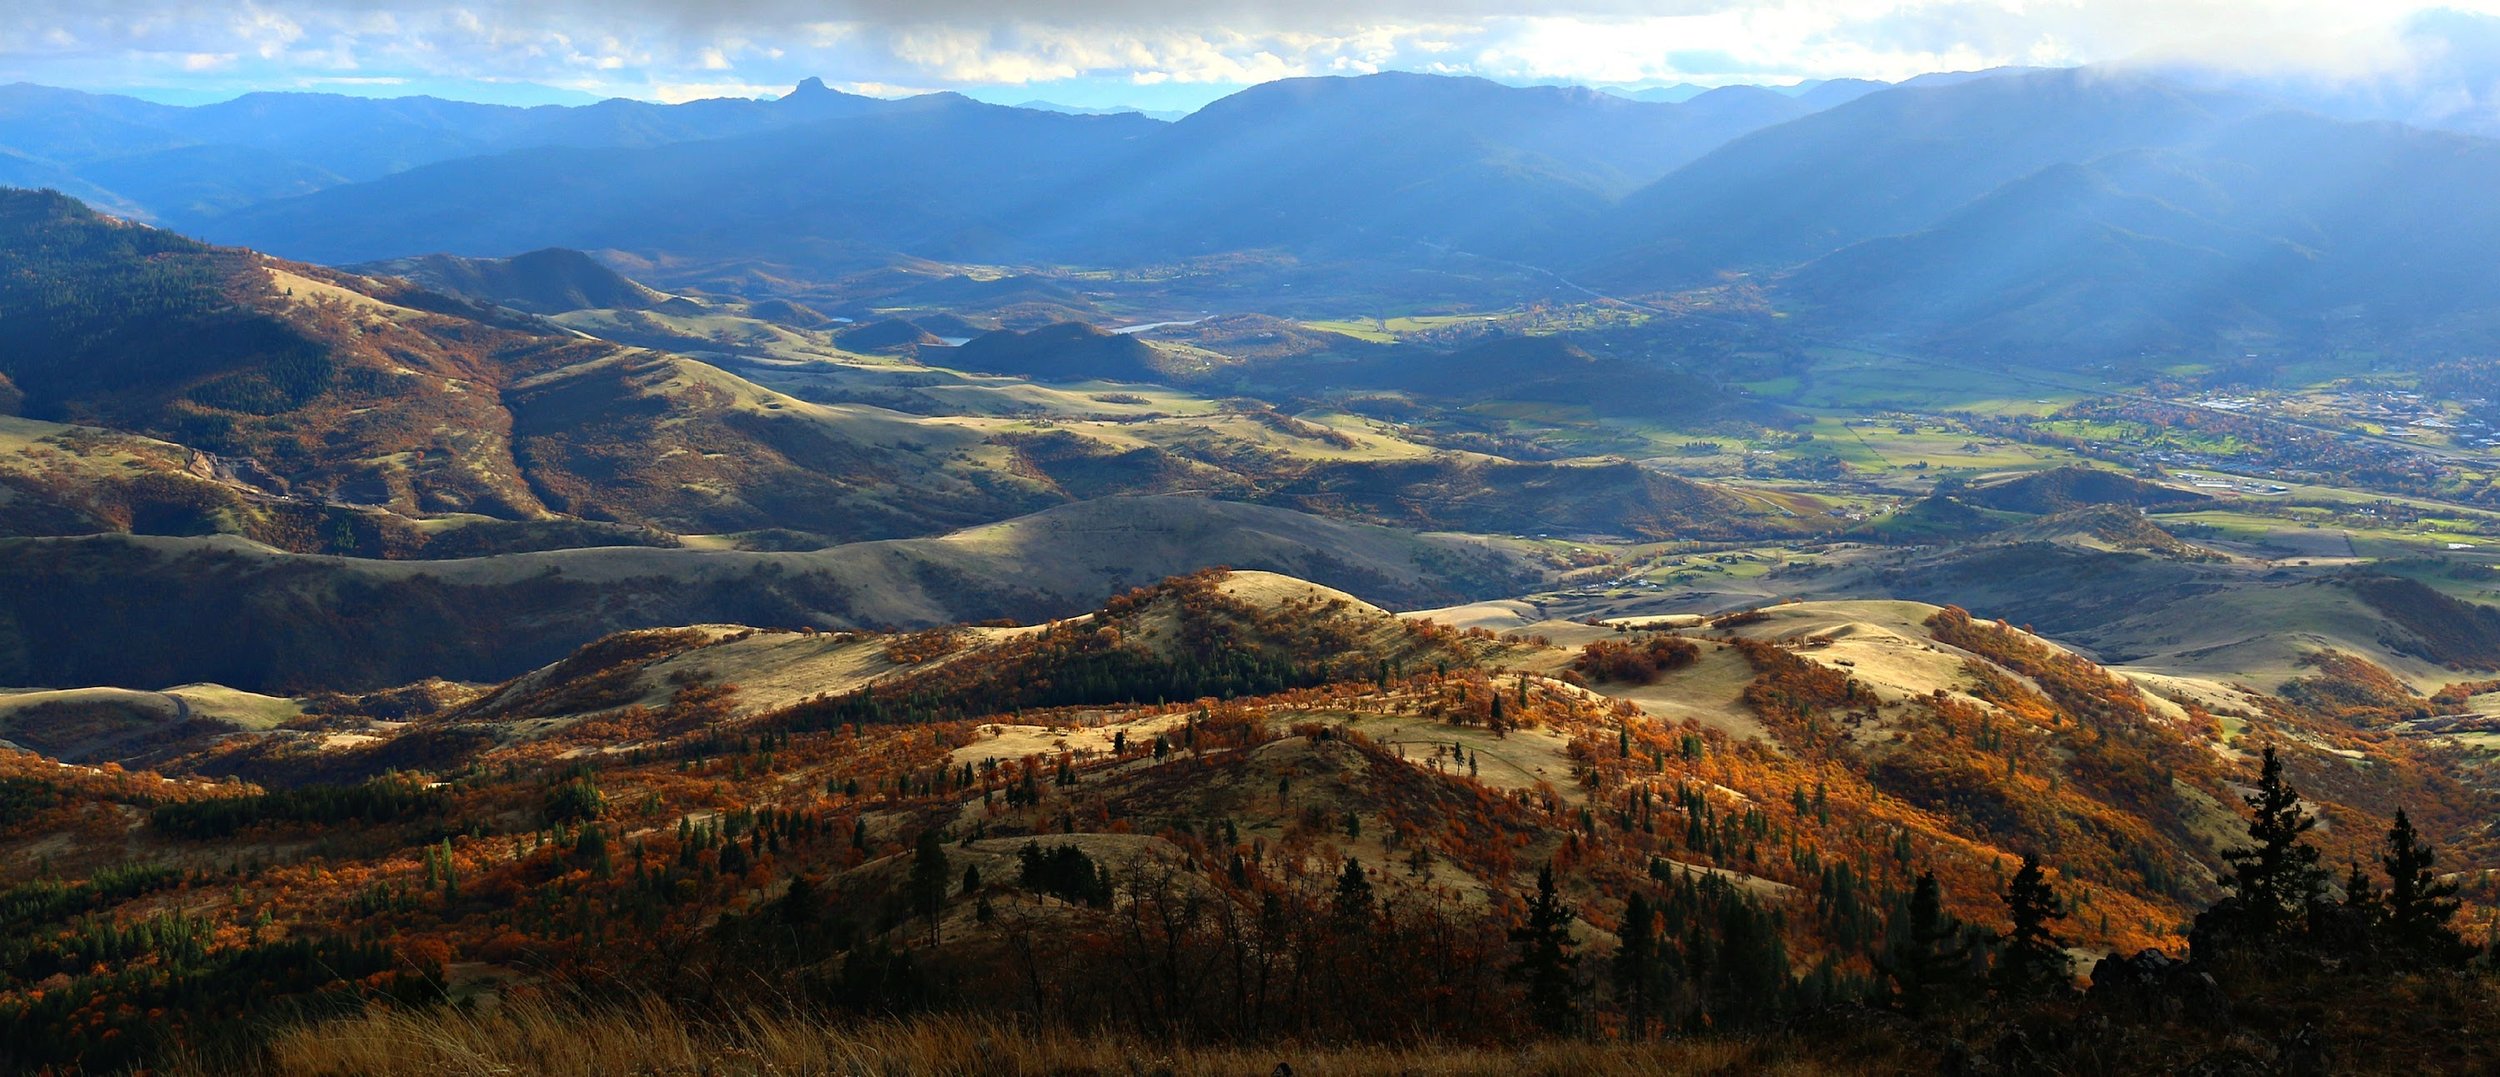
<point>2033,960</point>
<point>1636,964</point>
<point>1749,975</point>
<point>2361,895</point>
<point>1927,958</point>
<point>1545,964</point>
<point>2275,877</point>
<point>2419,904</point>
<point>1353,901</point>
<point>929,875</point>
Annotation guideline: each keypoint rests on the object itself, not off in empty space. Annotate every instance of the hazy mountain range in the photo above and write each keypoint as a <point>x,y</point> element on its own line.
<point>2104,211</point>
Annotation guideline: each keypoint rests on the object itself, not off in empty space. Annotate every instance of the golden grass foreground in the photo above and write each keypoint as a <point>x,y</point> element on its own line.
<point>648,1038</point>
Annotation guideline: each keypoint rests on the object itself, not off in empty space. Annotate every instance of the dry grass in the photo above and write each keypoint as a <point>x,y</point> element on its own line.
<point>528,1038</point>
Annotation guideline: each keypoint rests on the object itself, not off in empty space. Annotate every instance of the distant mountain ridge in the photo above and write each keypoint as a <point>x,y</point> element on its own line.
<point>1166,115</point>
<point>2101,212</point>
<point>1914,153</point>
<point>1324,164</point>
<point>2274,229</point>
<point>139,158</point>
<point>186,164</point>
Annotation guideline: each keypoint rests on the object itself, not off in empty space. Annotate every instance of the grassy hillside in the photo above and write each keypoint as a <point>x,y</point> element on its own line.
<point>170,611</point>
<point>2066,489</point>
<point>2113,583</point>
<point>59,480</point>
<point>1611,498</point>
<point>326,388</point>
<point>355,415</point>
<point>889,336</point>
<point>327,384</point>
<point>1065,352</point>
<point>549,281</point>
<point>2108,527</point>
<point>653,439</point>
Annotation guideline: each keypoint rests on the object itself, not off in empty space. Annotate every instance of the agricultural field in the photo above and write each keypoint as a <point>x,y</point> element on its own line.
<point>1390,329</point>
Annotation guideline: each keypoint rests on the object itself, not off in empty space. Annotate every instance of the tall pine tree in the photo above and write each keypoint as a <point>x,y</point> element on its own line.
<point>2362,896</point>
<point>1353,900</point>
<point>1636,965</point>
<point>1545,964</point>
<point>2033,959</point>
<point>1748,972</point>
<point>2275,877</point>
<point>930,877</point>
<point>2419,903</point>
<point>1926,957</point>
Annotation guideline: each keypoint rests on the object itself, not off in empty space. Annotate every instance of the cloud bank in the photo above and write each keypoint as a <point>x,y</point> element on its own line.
<point>1179,52</point>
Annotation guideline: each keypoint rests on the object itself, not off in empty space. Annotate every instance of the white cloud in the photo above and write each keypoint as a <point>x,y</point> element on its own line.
<point>643,46</point>
<point>1025,53</point>
<point>882,89</point>
<point>681,92</point>
<point>268,32</point>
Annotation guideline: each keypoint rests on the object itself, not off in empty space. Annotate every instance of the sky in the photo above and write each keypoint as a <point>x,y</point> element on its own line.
<point>1154,54</point>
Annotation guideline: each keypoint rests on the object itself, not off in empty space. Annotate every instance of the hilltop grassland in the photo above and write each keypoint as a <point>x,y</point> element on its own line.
<point>83,724</point>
